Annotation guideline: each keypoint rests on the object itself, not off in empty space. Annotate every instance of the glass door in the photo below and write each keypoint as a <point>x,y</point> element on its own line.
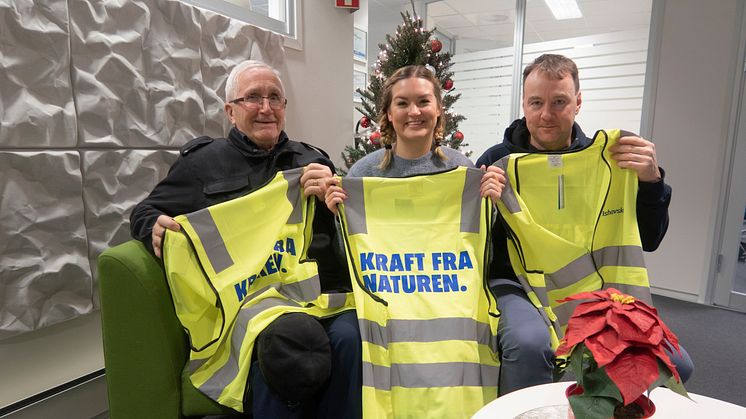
<point>730,277</point>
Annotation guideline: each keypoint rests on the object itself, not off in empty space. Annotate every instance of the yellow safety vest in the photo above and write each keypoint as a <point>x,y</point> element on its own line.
<point>417,248</point>
<point>572,226</point>
<point>233,269</point>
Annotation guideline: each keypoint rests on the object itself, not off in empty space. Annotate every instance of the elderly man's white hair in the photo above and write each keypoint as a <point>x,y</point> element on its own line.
<point>231,86</point>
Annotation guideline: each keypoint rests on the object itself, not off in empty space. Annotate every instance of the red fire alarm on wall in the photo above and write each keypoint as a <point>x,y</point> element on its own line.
<point>348,4</point>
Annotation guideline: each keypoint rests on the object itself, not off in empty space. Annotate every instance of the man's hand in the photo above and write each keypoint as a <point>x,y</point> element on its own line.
<point>638,154</point>
<point>314,179</point>
<point>334,194</point>
<point>159,230</point>
<point>493,182</point>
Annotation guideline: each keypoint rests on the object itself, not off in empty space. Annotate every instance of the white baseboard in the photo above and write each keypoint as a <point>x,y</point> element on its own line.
<point>678,295</point>
<point>85,400</point>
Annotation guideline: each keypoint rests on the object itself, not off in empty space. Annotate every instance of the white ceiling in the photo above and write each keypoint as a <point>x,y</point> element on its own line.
<point>486,24</point>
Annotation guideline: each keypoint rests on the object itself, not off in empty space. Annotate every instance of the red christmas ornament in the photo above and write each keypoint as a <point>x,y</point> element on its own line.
<point>458,136</point>
<point>375,138</point>
<point>364,122</point>
<point>436,45</point>
<point>448,85</point>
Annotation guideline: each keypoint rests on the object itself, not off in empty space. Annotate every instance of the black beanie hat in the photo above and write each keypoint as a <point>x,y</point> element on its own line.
<point>295,356</point>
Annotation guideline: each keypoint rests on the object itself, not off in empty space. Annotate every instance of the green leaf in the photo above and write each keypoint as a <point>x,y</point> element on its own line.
<point>677,387</point>
<point>664,374</point>
<point>584,407</point>
<point>576,362</point>
<point>597,383</point>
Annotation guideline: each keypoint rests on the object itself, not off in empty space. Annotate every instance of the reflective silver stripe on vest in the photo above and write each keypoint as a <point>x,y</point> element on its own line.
<point>305,290</point>
<point>212,242</point>
<point>565,310</point>
<point>294,194</point>
<point>508,194</point>
<point>471,202</point>
<point>431,330</point>
<point>195,364</point>
<point>355,206</point>
<point>541,294</point>
<point>628,256</point>
<point>223,376</point>
<point>445,374</point>
<point>337,300</point>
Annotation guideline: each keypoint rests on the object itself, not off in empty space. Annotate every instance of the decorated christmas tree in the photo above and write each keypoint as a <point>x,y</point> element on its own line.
<point>411,44</point>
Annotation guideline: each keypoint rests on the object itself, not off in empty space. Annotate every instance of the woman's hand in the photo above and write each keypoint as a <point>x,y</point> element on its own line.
<point>334,194</point>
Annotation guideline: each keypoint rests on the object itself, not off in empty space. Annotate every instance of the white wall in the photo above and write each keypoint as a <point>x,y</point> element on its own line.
<point>698,60</point>
<point>318,79</point>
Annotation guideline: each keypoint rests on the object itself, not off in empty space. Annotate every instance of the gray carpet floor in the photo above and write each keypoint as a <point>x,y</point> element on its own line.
<point>716,340</point>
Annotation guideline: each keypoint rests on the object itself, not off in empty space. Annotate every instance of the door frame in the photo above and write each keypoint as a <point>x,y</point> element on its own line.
<point>732,195</point>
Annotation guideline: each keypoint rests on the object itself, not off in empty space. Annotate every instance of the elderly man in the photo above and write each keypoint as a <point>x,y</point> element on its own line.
<point>209,171</point>
<point>551,100</point>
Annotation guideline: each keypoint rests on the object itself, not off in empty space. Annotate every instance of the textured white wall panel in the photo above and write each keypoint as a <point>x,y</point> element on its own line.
<point>121,84</point>
<point>44,266</point>
<point>136,72</point>
<point>113,182</point>
<point>36,105</point>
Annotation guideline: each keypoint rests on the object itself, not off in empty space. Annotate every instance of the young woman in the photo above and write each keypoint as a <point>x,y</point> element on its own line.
<point>446,323</point>
<point>412,126</point>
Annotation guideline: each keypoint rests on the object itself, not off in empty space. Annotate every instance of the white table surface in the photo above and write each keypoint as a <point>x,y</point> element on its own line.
<point>668,405</point>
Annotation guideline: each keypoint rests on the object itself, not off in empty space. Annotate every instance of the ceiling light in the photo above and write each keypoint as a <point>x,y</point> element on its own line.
<point>564,9</point>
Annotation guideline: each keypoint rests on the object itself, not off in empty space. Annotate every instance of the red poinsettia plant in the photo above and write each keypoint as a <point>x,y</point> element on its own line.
<point>616,347</point>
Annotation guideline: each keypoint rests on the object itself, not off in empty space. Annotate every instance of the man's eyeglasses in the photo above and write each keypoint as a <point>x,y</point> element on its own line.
<point>275,101</point>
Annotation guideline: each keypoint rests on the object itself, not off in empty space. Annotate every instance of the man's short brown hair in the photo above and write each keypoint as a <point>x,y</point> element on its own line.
<point>556,66</point>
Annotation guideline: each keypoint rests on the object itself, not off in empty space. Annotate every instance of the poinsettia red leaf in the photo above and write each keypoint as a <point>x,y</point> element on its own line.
<point>663,356</point>
<point>642,305</point>
<point>643,320</point>
<point>625,328</point>
<point>564,348</point>
<point>601,354</point>
<point>606,345</point>
<point>579,328</point>
<point>591,296</point>
<point>669,335</point>
<point>595,295</point>
<point>589,307</point>
<point>633,371</point>
<point>629,331</point>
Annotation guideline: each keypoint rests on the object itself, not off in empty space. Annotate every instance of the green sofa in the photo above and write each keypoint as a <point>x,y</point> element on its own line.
<point>145,347</point>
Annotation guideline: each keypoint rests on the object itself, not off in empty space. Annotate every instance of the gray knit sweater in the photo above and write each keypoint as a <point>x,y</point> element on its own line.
<point>400,167</point>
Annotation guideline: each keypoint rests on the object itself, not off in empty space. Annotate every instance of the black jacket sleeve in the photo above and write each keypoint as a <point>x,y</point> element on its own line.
<point>178,193</point>
<point>652,212</point>
<point>326,247</point>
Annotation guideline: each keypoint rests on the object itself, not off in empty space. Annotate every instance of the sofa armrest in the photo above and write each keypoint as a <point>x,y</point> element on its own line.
<point>145,347</point>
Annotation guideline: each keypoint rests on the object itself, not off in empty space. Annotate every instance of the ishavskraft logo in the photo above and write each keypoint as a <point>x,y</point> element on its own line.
<point>612,212</point>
